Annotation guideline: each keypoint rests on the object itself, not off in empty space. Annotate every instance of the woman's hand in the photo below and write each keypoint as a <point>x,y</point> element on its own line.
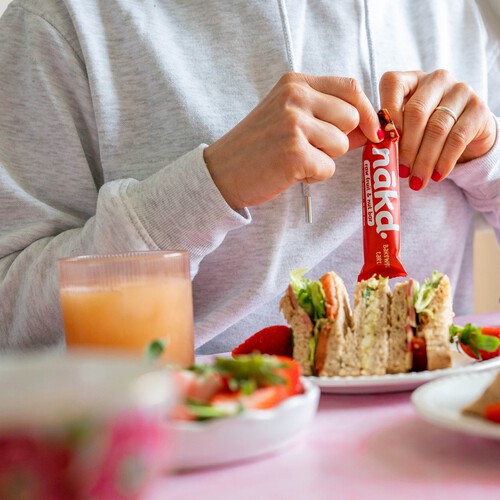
<point>443,123</point>
<point>292,136</point>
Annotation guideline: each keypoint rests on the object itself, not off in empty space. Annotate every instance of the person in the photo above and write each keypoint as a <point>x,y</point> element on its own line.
<point>161,124</point>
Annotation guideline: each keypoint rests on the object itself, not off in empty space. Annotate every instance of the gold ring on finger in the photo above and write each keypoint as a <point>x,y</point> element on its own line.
<point>449,111</point>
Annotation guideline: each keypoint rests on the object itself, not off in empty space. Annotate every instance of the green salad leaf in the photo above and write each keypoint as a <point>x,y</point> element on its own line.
<point>423,294</point>
<point>472,337</point>
<point>309,294</point>
<point>247,372</point>
<point>155,349</point>
<point>202,411</point>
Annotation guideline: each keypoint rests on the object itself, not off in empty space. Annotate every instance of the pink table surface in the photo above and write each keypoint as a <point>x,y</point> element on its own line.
<point>358,447</point>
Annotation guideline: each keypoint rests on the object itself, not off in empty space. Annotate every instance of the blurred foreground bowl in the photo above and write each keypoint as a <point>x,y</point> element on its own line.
<point>81,426</point>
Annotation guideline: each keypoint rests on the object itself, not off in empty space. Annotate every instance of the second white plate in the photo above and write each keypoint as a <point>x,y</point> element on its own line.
<point>461,363</point>
<point>441,403</point>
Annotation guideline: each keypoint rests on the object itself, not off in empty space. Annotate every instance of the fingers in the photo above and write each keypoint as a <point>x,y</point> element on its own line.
<point>445,136</point>
<point>335,111</point>
<point>395,88</point>
<point>443,122</point>
<point>341,93</point>
<point>312,144</point>
<point>357,139</point>
<point>454,145</point>
<point>327,138</point>
<point>341,115</point>
<point>416,121</point>
<point>415,98</point>
<point>319,167</point>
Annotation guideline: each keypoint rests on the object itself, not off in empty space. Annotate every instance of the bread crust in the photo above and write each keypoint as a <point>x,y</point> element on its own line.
<point>302,331</point>
<point>397,359</point>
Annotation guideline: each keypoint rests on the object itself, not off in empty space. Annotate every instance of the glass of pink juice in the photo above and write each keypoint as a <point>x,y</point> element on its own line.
<point>126,301</point>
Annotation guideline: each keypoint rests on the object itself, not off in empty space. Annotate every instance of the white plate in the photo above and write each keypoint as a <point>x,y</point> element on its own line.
<point>461,363</point>
<point>440,402</point>
<point>246,436</point>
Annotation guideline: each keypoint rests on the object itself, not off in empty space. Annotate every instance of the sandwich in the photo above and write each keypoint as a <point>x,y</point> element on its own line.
<point>319,314</point>
<point>420,319</point>
<point>372,303</point>
<point>397,331</point>
<point>487,404</point>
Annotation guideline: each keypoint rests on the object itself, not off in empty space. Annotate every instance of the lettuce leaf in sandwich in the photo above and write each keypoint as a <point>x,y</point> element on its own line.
<point>309,294</point>
<point>424,294</point>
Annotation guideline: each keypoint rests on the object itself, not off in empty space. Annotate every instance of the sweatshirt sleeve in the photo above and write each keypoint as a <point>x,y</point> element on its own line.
<point>54,201</point>
<point>480,181</point>
<point>480,178</point>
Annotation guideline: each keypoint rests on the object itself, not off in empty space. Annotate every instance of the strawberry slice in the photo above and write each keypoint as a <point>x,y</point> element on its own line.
<point>275,340</point>
<point>261,399</point>
<point>291,372</point>
<point>268,393</point>
<point>477,342</point>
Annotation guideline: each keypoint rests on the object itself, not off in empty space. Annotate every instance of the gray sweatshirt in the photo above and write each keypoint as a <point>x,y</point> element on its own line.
<point>106,106</point>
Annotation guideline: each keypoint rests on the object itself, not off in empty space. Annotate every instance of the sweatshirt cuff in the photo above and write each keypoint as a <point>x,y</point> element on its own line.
<point>181,207</point>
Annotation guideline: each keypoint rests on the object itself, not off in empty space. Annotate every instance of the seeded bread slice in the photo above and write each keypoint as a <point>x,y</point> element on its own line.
<point>399,359</point>
<point>435,330</point>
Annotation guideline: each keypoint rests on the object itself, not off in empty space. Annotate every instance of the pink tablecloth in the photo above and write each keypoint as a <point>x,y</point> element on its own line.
<point>359,447</point>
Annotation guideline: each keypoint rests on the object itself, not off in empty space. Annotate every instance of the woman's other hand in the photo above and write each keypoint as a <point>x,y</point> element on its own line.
<point>443,123</point>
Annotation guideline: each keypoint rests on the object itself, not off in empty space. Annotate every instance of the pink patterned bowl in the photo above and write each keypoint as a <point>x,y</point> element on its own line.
<point>81,426</point>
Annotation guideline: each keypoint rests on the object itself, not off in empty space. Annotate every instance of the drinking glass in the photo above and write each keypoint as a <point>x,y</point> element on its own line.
<point>126,301</point>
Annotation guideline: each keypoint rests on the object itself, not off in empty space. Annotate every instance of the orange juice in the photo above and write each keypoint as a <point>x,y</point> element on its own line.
<point>129,315</point>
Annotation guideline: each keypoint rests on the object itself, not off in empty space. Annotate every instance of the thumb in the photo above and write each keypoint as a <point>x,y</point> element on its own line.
<point>356,139</point>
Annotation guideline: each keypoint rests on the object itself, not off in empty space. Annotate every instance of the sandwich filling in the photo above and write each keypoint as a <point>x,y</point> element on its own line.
<point>373,305</point>
<point>308,293</point>
<point>371,310</point>
<point>323,326</point>
<point>419,298</point>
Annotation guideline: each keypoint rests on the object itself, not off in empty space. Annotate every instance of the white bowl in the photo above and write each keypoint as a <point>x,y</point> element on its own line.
<point>247,436</point>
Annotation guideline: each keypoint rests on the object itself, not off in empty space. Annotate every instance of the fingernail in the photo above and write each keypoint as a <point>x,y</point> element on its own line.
<point>404,171</point>
<point>380,133</point>
<point>436,176</point>
<point>415,183</point>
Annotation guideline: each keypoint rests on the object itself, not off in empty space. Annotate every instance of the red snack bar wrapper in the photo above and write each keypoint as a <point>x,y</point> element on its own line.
<point>381,236</point>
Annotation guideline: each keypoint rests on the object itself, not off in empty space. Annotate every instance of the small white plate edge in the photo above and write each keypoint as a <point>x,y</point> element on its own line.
<point>452,418</point>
